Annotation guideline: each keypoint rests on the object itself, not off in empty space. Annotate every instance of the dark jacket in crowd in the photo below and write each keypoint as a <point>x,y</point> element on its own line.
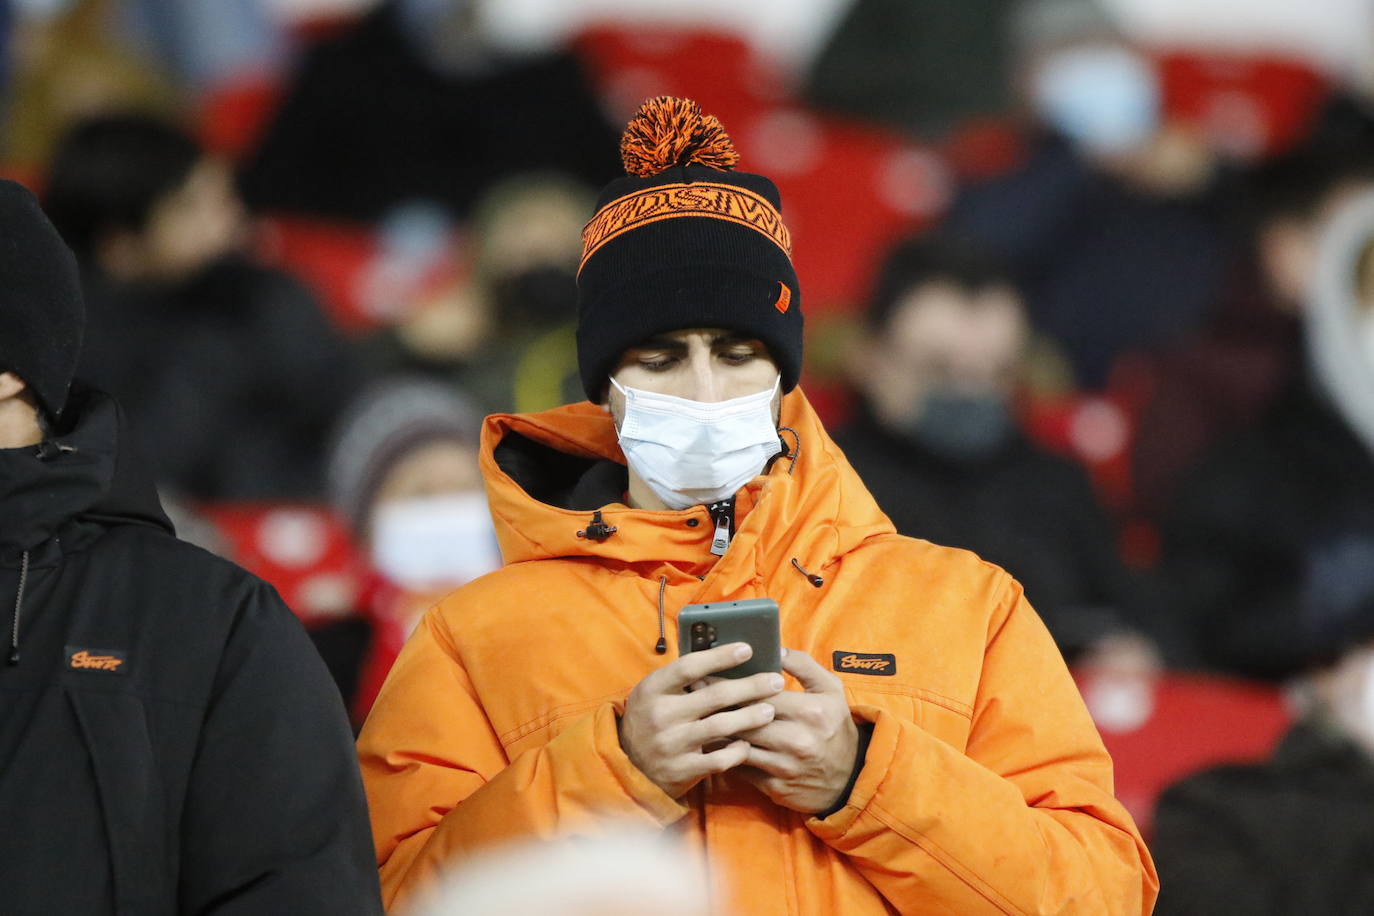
<point>1104,268</point>
<point>233,380</point>
<point>1292,835</point>
<point>369,124</point>
<point>169,740</point>
<point>1024,509</point>
<point>1251,526</point>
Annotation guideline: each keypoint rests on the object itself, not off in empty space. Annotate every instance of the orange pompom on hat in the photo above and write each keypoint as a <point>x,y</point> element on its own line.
<point>684,241</point>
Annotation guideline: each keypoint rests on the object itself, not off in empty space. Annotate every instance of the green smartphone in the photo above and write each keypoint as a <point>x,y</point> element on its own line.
<point>754,620</point>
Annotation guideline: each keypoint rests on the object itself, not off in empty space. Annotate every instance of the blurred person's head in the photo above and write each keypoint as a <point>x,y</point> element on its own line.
<point>616,874</point>
<point>1293,197</point>
<point>138,199</point>
<point>528,237</point>
<point>41,319</point>
<point>403,472</point>
<point>944,338</point>
<point>1080,77</point>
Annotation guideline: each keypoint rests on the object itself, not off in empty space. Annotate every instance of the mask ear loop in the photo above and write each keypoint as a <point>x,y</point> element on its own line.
<point>796,452</point>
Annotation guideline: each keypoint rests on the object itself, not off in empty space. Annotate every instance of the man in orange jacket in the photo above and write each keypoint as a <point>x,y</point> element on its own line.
<point>927,751</point>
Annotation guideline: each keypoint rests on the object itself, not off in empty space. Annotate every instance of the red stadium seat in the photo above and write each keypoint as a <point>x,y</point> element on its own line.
<point>1247,105</point>
<point>717,68</point>
<point>303,550</point>
<point>234,115</point>
<point>1160,730</point>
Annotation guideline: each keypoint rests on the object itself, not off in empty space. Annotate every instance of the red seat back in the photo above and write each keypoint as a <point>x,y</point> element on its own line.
<point>303,550</point>
<point>1177,725</point>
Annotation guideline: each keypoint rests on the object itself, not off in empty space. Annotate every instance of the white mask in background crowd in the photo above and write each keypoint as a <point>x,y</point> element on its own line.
<point>693,452</point>
<point>1353,707</point>
<point>1104,98</point>
<point>434,542</point>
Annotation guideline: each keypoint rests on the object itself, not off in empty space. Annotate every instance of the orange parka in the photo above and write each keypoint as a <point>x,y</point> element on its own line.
<point>985,788</point>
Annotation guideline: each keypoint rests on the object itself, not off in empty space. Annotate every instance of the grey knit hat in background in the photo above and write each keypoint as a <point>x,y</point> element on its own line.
<point>384,424</point>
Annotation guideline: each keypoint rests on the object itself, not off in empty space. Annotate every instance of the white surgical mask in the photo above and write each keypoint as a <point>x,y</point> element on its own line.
<point>434,542</point>
<point>1102,97</point>
<point>1353,707</point>
<point>692,452</point>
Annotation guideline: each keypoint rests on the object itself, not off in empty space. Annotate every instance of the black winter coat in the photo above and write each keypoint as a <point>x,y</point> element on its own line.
<point>1293,835</point>
<point>1252,525</point>
<point>169,740</point>
<point>1030,512</point>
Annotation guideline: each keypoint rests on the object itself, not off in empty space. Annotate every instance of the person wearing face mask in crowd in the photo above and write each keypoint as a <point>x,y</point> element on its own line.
<point>937,443</point>
<point>1294,833</point>
<point>1239,540</point>
<point>927,749</point>
<point>403,473</point>
<point>230,370</point>
<point>170,741</point>
<point>502,333</point>
<point>1110,221</point>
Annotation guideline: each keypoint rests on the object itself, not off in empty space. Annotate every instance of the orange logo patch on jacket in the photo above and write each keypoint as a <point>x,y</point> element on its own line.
<point>109,660</point>
<point>876,663</point>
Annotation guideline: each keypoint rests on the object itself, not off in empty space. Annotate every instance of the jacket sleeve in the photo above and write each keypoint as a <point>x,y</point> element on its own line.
<point>1021,821</point>
<point>439,783</point>
<point>275,820</point>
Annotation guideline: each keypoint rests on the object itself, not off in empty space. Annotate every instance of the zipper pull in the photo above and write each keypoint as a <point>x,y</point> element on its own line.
<point>723,514</point>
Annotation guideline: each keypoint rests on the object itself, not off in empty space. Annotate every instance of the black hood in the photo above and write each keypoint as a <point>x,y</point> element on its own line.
<point>85,472</point>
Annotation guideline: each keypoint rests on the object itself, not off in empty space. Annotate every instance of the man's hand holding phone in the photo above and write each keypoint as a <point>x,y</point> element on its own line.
<point>666,731</point>
<point>803,758</point>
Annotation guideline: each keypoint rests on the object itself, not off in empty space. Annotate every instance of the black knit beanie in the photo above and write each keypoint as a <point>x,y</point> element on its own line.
<point>684,242</point>
<point>41,313</point>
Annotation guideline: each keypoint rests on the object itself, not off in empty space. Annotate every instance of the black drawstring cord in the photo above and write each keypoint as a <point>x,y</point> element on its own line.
<point>796,452</point>
<point>661,646</point>
<point>18,605</point>
<point>810,577</point>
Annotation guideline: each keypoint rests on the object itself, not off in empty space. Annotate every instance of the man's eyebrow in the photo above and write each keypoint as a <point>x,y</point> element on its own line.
<point>721,340</point>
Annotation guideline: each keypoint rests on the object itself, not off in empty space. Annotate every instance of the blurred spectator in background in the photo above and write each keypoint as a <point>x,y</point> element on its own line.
<point>610,875</point>
<point>1210,386</point>
<point>1109,222</point>
<point>414,102</point>
<point>72,61</point>
<point>936,441</point>
<point>1249,520</point>
<point>403,473</point>
<point>229,369</point>
<point>206,42</point>
<point>1295,833</point>
<point>922,66</point>
<point>503,333</point>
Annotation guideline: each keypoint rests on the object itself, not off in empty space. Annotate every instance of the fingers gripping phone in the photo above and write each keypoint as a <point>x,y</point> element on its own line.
<point>755,621</point>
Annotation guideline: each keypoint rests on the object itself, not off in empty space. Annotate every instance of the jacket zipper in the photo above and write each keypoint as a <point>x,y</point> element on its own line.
<point>723,517</point>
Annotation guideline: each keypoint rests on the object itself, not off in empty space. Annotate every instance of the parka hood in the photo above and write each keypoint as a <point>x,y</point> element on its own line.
<point>809,505</point>
<point>86,472</point>
<point>1339,329</point>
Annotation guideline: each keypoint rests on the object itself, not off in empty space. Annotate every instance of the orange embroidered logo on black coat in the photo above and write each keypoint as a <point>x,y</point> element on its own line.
<point>111,661</point>
<point>875,663</point>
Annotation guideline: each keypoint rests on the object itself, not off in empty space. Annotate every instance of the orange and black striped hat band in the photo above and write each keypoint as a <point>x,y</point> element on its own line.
<point>695,199</point>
